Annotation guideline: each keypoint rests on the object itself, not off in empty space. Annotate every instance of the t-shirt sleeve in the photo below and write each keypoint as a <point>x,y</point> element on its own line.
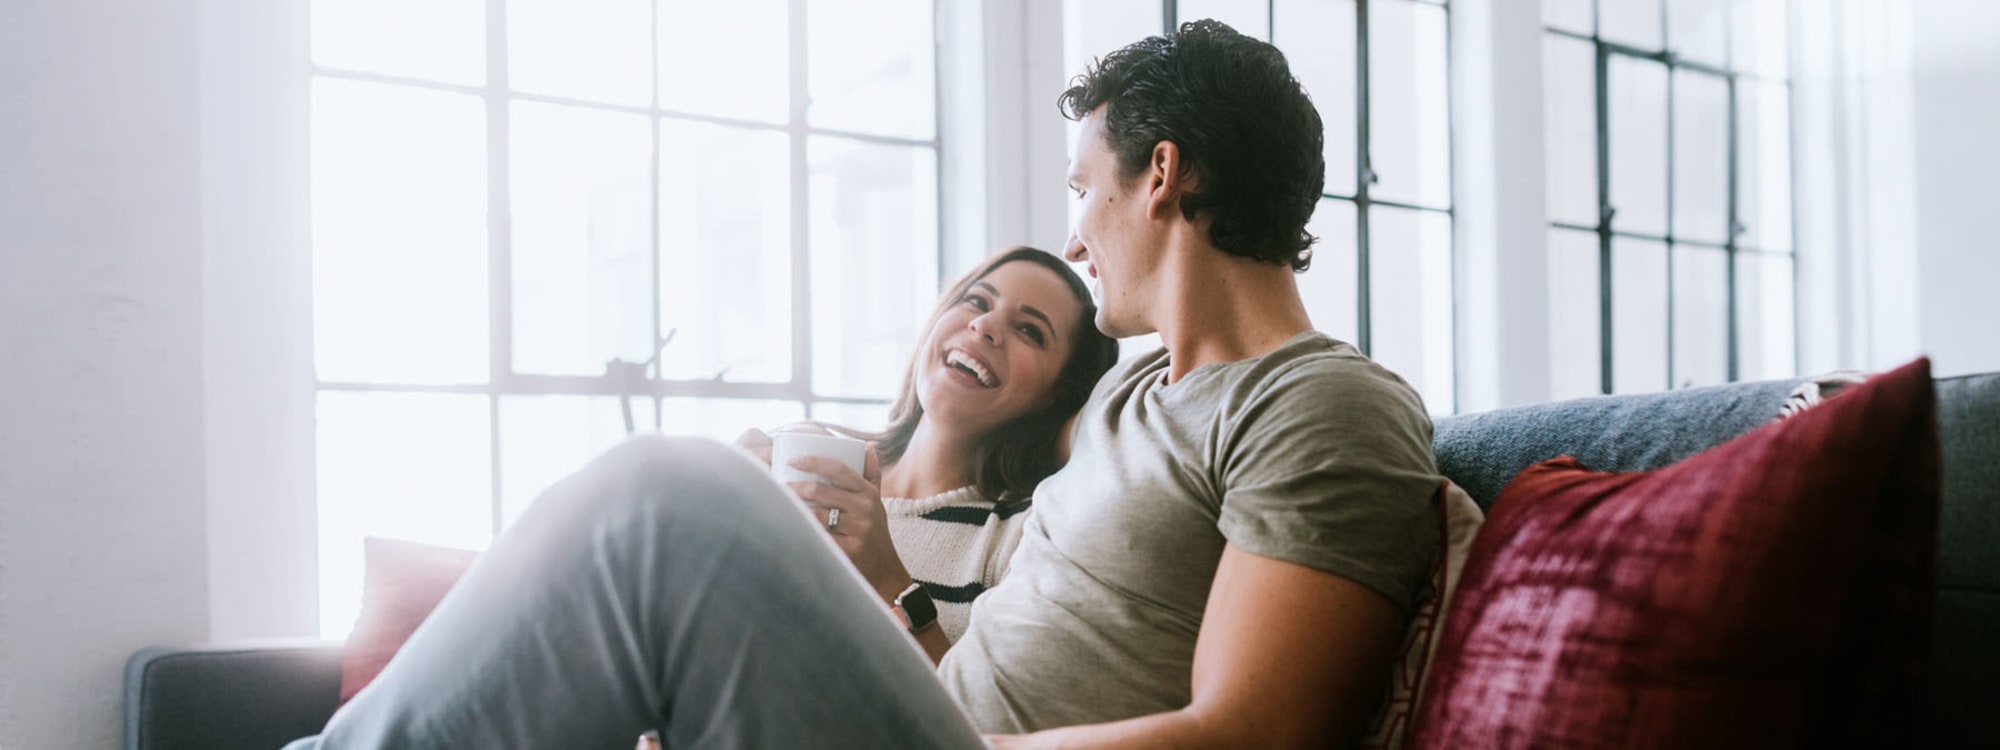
<point>1331,467</point>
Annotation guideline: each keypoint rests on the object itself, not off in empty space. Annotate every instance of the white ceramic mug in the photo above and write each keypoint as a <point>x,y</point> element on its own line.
<point>786,446</point>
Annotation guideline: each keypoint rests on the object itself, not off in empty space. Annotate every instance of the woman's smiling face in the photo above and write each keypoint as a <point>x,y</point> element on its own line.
<point>994,354</point>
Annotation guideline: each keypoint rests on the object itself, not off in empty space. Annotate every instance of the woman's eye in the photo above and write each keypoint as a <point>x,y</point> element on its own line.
<point>1034,334</point>
<point>977,302</point>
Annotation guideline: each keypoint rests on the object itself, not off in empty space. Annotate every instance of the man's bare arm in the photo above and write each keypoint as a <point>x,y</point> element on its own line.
<point>1288,656</point>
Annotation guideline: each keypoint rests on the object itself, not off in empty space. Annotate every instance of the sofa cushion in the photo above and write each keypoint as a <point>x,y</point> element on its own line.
<point>1480,452</point>
<point>401,583</point>
<point>1773,591</point>
<point>1960,702</point>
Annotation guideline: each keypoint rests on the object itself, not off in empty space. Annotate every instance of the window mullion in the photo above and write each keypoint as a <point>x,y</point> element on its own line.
<point>1605,212</point>
<point>499,239</point>
<point>802,344</point>
<point>1364,175</point>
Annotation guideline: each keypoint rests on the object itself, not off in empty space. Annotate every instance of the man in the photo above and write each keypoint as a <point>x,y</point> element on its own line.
<point>1227,561</point>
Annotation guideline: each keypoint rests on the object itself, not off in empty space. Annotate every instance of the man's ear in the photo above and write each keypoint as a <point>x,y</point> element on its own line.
<point>1167,179</point>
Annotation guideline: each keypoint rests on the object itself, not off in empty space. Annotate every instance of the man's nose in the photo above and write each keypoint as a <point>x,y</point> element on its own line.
<point>1074,252</point>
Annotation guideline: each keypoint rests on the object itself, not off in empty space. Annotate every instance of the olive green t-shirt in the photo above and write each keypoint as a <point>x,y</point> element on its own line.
<point>1311,454</point>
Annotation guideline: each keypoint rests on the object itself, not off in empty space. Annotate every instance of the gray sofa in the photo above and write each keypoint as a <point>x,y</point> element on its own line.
<point>257,696</point>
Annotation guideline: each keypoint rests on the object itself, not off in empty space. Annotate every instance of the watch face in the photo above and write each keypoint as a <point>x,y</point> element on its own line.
<point>918,610</point>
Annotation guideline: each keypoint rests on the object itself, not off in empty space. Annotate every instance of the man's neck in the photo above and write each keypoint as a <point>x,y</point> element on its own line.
<point>1215,307</point>
<point>934,462</point>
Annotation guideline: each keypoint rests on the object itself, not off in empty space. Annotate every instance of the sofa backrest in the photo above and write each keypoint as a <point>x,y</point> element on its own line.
<point>1481,452</point>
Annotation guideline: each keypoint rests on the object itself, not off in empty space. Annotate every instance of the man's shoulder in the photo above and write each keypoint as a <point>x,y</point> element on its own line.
<point>1318,371</point>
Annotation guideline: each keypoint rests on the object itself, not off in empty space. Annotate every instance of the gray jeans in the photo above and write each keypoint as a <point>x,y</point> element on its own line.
<point>670,584</point>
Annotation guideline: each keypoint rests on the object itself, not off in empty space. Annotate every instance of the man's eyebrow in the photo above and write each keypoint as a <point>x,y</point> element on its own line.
<point>1024,308</point>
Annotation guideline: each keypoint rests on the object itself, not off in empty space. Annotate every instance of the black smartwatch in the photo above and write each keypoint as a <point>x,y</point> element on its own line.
<point>916,608</point>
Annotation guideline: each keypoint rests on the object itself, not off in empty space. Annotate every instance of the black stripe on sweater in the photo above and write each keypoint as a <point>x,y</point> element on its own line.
<point>976,516</point>
<point>959,514</point>
<point>954,594</point>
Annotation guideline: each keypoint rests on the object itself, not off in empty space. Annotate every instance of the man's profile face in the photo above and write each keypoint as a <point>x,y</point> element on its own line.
<point>1113,235</point>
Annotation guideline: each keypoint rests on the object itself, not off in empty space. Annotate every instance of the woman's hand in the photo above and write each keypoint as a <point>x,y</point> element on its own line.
<point>757,442</point>
<point>863,530</point>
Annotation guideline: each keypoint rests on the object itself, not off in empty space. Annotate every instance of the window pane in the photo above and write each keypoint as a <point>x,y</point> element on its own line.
<point>1638,316</point>
<point>725,418</point>
<point>1764,165</point>
<point>1638,93</point>
<point>1569,70</point>
<point>1634,22</point>
<point>1701,157</point>
<point>1568,15</point>
<point>1698,30</point>
<point>874,261</point>
<point>438,40</point>
<point>1318,39</point>
<point>1701,316</point>
<point>1576,364</point>
<point>1247,17</point>
<point>599,51</point>
<point>546,438</point>
<point>402,466</point>
<point>1329,287</point>
<point>1410,125</point>
<point>399,234</point>
<point>1760,40</point>
<point>868,417</point>
<point>872,68</point>
<point>1766,336</point>
<point>725,253</point>
<point>582,229</point>
<point>750,34</point>
<point>1094,29</point>
<point>1409,285</point>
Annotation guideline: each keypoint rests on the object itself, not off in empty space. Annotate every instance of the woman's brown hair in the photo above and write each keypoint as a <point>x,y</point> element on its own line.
<point>1018,455</point>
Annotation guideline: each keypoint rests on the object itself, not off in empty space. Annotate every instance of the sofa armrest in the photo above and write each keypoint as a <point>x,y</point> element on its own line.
<point>222,696</point>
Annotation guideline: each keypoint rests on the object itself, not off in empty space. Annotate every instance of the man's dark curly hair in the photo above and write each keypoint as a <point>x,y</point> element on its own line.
<point>1244,126</point>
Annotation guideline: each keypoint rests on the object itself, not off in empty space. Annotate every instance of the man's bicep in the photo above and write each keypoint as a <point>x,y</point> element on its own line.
<point>1292,654</point>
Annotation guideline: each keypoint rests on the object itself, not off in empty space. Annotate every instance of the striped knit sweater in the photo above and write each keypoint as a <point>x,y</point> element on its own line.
<point>957,545</point>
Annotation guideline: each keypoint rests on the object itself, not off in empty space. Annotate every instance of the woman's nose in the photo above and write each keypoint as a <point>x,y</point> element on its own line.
<point>983,325</point>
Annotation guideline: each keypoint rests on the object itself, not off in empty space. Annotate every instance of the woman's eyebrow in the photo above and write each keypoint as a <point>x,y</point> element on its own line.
<point>1024,308</point>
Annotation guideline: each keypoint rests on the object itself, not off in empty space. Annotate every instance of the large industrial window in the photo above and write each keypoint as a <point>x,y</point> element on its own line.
<point>541,224</point>
<point>1669,192</point>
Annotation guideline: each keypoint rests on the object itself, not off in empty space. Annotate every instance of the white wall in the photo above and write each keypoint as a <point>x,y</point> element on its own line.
<point>1898,105</point>
<point>257,332</point>
<point>1955,82</point>
<point>101,478</point>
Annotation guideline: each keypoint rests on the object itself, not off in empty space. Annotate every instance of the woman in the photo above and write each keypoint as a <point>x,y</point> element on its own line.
<point>1008,357</point>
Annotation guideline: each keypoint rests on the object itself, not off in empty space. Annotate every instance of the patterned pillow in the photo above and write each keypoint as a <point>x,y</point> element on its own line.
<point>1815,391</point>
<point>1773,591</point>
<point>401,583</point>
<point>1461,518</point>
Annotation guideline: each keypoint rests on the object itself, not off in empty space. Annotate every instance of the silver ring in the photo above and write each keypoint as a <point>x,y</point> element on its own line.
<point>833,520</point>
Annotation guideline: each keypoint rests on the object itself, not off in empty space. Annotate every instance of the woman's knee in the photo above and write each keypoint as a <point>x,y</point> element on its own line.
<point>656,473</point>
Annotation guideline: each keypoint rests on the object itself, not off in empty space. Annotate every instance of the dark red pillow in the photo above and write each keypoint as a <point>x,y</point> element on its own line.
<point>1773,591</point>
<point>402,583</point>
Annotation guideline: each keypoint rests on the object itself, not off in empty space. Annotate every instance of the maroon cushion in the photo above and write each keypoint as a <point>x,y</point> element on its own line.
<point>1773,591</point>
<point>401,583</point>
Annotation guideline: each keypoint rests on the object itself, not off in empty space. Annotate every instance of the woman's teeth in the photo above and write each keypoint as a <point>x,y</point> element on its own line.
<point>956,358</point>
